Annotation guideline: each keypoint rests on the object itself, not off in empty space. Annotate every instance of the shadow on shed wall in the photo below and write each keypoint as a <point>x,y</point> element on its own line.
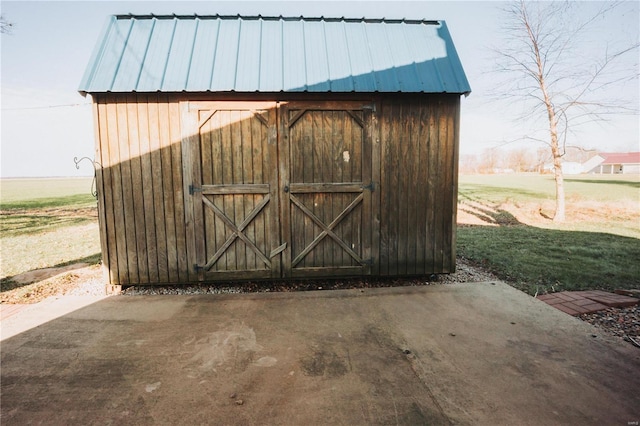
<point>144,229</point>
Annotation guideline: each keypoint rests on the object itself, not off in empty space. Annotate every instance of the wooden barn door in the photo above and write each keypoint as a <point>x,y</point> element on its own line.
<point>234,186</point>
<point>325,171</point>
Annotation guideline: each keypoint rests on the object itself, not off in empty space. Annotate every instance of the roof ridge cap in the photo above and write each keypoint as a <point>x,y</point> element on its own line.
<point>280,18</point>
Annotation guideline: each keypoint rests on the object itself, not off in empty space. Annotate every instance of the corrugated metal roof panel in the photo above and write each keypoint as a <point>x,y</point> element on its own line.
<point>261,54</point>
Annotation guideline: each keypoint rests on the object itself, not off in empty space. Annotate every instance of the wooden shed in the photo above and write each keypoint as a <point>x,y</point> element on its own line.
<point>236,148</point>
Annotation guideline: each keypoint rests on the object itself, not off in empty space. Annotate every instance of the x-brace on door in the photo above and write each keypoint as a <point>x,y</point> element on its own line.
<point>325,172</point>
<point>278,190</point>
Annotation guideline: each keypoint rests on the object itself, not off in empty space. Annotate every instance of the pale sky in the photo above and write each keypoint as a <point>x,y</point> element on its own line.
<point>45,123</point>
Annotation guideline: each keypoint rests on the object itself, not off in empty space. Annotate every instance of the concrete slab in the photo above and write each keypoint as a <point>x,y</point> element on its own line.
<point>481,353</point>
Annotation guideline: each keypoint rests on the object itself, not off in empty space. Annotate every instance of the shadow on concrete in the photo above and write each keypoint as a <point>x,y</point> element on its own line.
<point>413,355</point>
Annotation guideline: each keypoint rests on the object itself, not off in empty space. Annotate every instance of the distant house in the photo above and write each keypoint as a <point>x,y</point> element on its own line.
<point>613,163</point>
<point>571,168</point>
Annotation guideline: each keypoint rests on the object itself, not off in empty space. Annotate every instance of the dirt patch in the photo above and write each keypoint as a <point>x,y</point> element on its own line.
<point>58,282</point>
<point>45,273</point>
<point>541,213</point>
<point>79,212</point>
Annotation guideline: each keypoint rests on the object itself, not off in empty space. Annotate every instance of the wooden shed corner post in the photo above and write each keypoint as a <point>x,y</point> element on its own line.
<point>454,188</point>
<point>100,190</point>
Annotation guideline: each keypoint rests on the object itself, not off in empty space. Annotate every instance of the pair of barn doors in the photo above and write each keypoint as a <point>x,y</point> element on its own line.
<point>279,189</point>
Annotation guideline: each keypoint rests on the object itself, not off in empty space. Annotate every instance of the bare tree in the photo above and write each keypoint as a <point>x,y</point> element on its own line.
<point>5,26</point>
<point>520,160</point>
<point>491,160</point>
<point>557,80</point>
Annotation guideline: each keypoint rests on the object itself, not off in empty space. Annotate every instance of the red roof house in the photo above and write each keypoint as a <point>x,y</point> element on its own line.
<point>613,163</point>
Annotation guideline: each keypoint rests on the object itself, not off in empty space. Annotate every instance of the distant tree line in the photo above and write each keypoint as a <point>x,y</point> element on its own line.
<point>518,160</point>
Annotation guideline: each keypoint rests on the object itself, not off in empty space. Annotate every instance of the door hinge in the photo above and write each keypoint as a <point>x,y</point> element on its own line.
<point>194,189</point>
<point>371,187</point>
<point>197,268</point>
<point>367,262</point>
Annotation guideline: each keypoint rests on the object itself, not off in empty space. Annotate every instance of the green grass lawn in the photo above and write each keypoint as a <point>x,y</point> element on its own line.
<point>536,187</point>
<point>31,206</point>
<point>46,223</point>
<point>597,248</point>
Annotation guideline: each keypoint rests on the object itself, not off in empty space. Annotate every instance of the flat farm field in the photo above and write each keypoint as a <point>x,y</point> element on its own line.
<point>47,227</point>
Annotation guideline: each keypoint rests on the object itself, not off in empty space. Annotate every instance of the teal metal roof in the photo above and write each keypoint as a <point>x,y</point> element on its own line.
<point>273,54</point>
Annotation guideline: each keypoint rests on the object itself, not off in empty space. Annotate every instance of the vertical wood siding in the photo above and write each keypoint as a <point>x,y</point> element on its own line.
<point>141,189</point>
<point>143,225</point>
<point>418,181</point>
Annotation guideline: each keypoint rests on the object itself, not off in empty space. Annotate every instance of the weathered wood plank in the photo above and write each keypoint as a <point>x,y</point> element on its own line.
<point>215,234</point>
<point>413,196</point>
<point>238,207</point>
<point>137,219</point>
<point>166,159</point>
<point>384,238</point>
<point>375,196</point>
<point>257,188</point>
<point>421,168</point>
<point>230,105</point>
<point>258,154</point>
<point>186,272</point>
<point>127,192</point>
<point>157,189</point>
<point>395,190</point>
<point>146,173</point>
<point>329,105</point>
<point>357,156</point>
<point>227,177</point>
<point>343,174</point>
<point>205,229</point>
<point>318,143</point>
<point>407,195</point>
<point>303,228</point>
<point>192,176</point>
<point>338,187</point>
<point>248,201</point>
<point>432,177</point>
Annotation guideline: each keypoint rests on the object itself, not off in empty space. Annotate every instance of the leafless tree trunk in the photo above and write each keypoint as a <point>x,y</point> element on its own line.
<point>546,74</point>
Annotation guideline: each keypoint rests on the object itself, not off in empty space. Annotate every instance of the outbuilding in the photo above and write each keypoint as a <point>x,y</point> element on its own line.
<point>255,148</point>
